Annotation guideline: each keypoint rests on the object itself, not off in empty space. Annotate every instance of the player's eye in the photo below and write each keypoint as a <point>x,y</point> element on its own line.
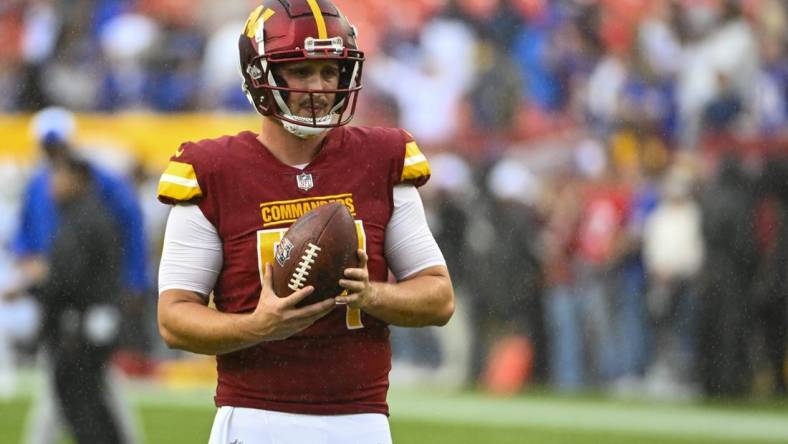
<point>302,72</point>
<point>330,72</point>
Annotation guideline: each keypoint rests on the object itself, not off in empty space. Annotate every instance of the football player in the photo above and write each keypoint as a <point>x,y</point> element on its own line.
<point>317,373</point>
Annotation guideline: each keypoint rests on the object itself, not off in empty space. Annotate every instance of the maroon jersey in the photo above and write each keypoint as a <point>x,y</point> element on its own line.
<point>340,364</point>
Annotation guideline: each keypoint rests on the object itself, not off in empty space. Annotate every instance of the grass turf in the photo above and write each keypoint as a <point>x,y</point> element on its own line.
<point>190,422</point>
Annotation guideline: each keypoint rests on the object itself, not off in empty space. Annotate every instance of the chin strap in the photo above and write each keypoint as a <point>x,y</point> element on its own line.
<point>305,131</point>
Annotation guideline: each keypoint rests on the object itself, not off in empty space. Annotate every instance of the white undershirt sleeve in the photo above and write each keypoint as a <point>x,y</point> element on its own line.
<point>410,246</point>
<point>192,255</point>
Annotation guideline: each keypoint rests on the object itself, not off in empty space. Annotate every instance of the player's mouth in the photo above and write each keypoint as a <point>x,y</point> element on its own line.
<point>317,109</point>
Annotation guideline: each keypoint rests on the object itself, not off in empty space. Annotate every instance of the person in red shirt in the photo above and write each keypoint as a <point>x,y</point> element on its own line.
<point>317,373</point>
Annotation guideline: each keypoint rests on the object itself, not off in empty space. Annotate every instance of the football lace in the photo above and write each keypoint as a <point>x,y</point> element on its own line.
<point>300,274</point>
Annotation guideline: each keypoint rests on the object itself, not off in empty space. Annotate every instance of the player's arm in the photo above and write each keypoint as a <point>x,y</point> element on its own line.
<point>423,294</point>
<point>426,298</point>
<point>187,323</point>
<point>191,262</point>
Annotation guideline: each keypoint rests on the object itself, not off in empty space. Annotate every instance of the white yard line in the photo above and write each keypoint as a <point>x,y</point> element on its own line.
<point>666,420</point>
<point>676,420</point>
<point>542,411</point>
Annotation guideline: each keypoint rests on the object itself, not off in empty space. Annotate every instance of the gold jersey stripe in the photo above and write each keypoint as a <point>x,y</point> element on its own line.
<point>322,32</point>
<point>305,199</point>
<point>180,169</point>
<point>415,165</point>
<point>178,192</point>
<point>179,182</point>
<point>413,172</point>
<point>411,149</point>
<point>353,319</point>
<point>413,160</point>
<point>279,222</point>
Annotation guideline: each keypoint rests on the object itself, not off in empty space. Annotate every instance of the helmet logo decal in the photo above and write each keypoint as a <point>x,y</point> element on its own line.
<point>267,14</point>
<point>305,181</point>
<point>255,18</point>
<point>322,32</point>
<point>254,26</point>
<point>254,72</point>
<point>251,22</point>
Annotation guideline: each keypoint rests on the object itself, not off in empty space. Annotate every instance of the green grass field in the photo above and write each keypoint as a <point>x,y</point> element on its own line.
<point>178,416</point>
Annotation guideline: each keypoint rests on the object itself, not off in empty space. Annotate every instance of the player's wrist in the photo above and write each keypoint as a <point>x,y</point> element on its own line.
<point>252,330</point>
<point>372,300</point>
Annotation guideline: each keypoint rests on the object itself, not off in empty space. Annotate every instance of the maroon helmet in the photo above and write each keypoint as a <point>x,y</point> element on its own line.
<point>280,31</point>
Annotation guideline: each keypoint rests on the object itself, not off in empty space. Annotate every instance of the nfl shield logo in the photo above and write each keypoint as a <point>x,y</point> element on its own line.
<point>282,251</point>
<point>305,181</point>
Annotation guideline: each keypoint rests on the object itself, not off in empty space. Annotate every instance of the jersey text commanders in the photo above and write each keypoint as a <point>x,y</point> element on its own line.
<point>287,211</point>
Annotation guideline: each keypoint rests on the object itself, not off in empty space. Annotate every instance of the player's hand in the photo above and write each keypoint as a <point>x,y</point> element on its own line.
<point>278,318</point>
<point>356,282</point>
<point>35,269</point>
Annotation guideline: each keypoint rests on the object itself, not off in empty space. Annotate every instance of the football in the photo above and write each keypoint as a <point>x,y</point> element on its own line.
<point>315,251</point>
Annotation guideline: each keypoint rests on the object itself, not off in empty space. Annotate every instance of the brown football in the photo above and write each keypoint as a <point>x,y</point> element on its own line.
<point>315,251</point>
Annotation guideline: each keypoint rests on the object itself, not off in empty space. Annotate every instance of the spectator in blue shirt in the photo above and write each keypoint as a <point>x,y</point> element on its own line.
<point>53,128</point>
<point>32,244</point>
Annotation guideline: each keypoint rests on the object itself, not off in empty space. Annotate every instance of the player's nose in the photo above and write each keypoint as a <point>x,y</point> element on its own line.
<point>315,82</point>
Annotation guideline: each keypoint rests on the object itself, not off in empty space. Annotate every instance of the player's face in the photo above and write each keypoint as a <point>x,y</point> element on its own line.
<point>314,75</point>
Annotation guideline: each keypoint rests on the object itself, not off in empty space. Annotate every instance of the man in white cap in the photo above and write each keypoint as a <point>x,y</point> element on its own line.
<point>54,129</point>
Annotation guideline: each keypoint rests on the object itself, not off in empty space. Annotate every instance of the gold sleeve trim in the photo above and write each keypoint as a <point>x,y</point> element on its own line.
<point>415,165</point>
<point>179,182</point>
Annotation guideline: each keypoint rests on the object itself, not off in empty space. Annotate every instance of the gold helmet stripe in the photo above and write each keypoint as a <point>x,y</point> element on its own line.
<point>322,32</point>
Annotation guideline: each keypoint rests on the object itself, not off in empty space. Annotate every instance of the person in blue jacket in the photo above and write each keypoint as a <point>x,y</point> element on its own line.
<point>54,128</point>
<point>32,244</point>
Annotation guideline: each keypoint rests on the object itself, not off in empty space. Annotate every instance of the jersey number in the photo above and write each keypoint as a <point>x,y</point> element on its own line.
<point>267,240</point>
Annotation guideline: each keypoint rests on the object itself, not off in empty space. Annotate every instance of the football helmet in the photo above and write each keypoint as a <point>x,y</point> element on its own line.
<point>281,31</point>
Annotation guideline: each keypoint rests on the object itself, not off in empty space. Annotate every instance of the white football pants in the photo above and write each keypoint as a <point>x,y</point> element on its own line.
<point>235,425</point>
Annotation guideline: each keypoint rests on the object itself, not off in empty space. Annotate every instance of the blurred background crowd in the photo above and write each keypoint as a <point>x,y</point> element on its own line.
<point>610,177</point>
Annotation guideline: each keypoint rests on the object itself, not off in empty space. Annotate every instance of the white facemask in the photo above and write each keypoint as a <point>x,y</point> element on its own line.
<point>305,131</point>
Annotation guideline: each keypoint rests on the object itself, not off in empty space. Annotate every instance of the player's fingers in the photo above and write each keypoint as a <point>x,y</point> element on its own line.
<point>358,274</point>
<point>267,291</point>
<point>316,310</point>
<point>352,286</point>
<point>363,258</point>
<point>267,279</point>
<point>297,296</point>
<point>345,299</point>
